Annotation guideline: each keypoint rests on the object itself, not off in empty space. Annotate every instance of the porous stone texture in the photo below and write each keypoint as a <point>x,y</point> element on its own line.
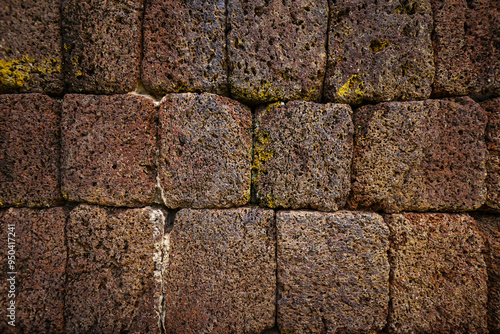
<point>333,272</point>
<point>277,49</point>
<point>29,150</point>
<point>467,47</point>
<point>379,51</point>
<point>205,151</point>
<point>35,239</point>
<point>102,45</point>
<point>115,265</point>
<point>185,47</point>
<point>438,274</point>
<point>220,272</point>
<point>302,155</point>
<point>109,149</point>
<point>489,227</point>
<point>30,47</point>
<point>492,108</point>
<point>420,156</point>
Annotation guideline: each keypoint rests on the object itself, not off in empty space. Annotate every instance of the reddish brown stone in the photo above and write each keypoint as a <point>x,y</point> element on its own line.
<point>467,47</point>
<point>277,49</point>
<point>185,47</point>
<point>379,51</point>
<point>29,150</point>
<point>115,265</point>
<point>39,263</point>
<point>438,274</point>
<point>205,151</point>
<point>333,272</point>
<point>492,108</point>
<point>30,47</point>
<point>302,155</point>
<point>109,149</point>
<point>420,156</point>
<point>102,45</point>
<point>220,275</point>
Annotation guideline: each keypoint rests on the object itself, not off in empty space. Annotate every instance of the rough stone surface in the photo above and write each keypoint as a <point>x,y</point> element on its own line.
<point>489,227</point>
<point>420,156</point>
<point>277,49</point>
<point>467,47</point>
<point>185,47</point>
<point>492,108</point>
<point>302,155</point>
<point>205,151</point>
<point>40,264</point>
<point>438,274</point>
<point>220,275</point>
<point>102,45</point>
<point>115,265</point>
<point>30,47</point>
<point>379,51</point>
<point>29,150</point>
<point>333,272</point>
<point>109,149</point>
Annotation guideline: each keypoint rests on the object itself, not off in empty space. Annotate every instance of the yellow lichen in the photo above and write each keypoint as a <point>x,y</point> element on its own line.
<point>377,45</point>
<point>353,86</point>
<point>14,73</point>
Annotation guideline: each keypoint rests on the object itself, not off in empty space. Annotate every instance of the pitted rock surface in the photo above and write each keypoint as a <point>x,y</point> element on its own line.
<point>379,51</point>
<point>185,47</point>
<point>220,275</point>
<point>30,47</point>
<point>109,149</point>
<point>102,45</point>
<point>438,274</point>
<point>467,45</point>
<point>302,155</point>
<point>333,272</point>
<point>492,108</point>
<point>420,156</point>
<point>29,150</point>
<point>115,265</point>
<point>277,49</point>
<point>205,151</point>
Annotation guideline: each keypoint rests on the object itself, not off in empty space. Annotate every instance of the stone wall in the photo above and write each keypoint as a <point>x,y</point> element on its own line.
<point>235,166</point>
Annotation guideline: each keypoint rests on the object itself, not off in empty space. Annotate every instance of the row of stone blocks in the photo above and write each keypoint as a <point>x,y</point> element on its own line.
<point>258,51</point>
<point>197,151</point>
<point>248,269</point>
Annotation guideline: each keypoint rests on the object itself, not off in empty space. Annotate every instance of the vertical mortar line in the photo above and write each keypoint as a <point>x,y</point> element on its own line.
<point>63,54</point>
<point>226,46</point>
<point>328,23</point>
<point>253,193</point>
<point>67,211</point>
<point>141,41</point>
<point>391,274</point>
<point>275,223</point>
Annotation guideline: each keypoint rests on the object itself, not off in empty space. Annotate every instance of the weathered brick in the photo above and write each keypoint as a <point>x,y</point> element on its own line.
<point>102,45</point>
<point>420,156</point>
<point>302,155</point>
<point>438,274</point>
<point>333,272</point>
<point>220,275</point>
<point>40,263</point>
<point>205,151</point>
<point>467,47</point>
<point>379,51</point>
<point>115,265</point>
<point>29,150</point>
<point>277,50</point>
<point>30,47</point>
<point>109,149</point>
<point>492,108</point>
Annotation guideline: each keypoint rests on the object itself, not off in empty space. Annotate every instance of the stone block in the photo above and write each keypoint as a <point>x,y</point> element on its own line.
<point>438,274</point>
<point>277,49</point>
<point>205,151</point>
<point>302,155</point>
<point>379,51</point>
<point>420,156</point>
<point>115,265</point>
<point>185,47</point>
<point>492,136</point>
<point>30,47</point>
<point>29,150</point>
<point>102,45</point>
<point>220,272</point>
<point>109,149</point>
<point>333,272</point>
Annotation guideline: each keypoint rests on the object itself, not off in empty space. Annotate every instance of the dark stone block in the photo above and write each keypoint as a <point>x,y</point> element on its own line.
<point>492,108</point>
